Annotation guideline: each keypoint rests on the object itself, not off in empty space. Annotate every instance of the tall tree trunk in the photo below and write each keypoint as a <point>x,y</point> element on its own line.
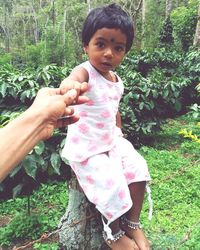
<point>81,226</point>
<point>143,22</point>
<point>64,33</point>
<point>197,32</point>
<point>133,8</point>
<point>53,13</point>
<point>89,5</point>
<point>168,7</point>
<point>6,29</point>
<point>35,30</point>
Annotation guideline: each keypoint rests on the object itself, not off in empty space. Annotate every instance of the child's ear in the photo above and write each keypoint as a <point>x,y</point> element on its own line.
<point>85,49</point>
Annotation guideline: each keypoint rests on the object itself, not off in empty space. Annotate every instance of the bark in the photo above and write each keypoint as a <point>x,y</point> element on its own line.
<point>81,226</point>
<point>131,7</point>
<point>143,21</point>
<point>168,7</point>
<point>53,14</point>
<point>64,33</point>
<point>6,28</point>
<point>35,29</point>
<point>197,32</point>
<point>89,5</point>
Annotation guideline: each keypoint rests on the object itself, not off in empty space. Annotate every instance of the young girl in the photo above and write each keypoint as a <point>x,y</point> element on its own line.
<point>111,173</point>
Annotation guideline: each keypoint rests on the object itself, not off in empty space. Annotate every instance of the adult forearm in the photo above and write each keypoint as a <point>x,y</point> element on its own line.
<point>17,139</point>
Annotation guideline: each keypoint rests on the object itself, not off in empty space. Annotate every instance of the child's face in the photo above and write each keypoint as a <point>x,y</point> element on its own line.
<point>106,49</point>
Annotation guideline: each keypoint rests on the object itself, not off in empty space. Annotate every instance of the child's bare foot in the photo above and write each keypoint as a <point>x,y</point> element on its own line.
<point>124,243</point>
<point>135,233</point>
<point>139,237</point>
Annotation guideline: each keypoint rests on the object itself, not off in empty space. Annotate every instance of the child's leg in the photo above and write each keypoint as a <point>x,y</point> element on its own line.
<point>104,184</point>
<point>131,222</point>
<point>121,241</point>
<point>137,191</point>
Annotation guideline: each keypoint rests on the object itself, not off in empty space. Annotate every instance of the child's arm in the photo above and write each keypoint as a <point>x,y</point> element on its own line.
<point>118,120</point>
<point>77,76</point>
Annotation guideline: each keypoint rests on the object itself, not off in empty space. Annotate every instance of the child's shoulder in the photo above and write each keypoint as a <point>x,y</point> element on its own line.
<point>87,66</point>
<point>80,73</point>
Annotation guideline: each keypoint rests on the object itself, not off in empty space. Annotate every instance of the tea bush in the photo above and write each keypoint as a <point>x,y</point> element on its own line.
<point>158,85</point>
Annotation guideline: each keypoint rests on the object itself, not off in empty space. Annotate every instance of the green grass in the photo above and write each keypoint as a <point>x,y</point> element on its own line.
<point>174,165</point>
<point>47,204</point>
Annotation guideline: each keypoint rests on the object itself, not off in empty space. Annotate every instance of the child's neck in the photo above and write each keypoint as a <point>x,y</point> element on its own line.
<point>111,77</point>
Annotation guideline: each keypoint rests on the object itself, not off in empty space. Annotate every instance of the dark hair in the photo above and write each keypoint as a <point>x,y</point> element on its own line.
<point>111,16</point>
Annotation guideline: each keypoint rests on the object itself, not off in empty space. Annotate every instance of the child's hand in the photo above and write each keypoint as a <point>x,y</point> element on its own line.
<point>68,84</point>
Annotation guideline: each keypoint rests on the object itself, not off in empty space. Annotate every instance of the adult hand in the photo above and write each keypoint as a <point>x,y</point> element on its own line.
<point>49,110</point>
<point>53,107</point>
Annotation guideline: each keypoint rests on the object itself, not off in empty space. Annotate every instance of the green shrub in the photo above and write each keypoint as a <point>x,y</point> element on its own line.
<point>46,208</point>
<point>21,227</point>
<point>166,34</point>
<point>5,58</point>
<point>184,20</point>
<point>156,87</point>
<point>17,90</point>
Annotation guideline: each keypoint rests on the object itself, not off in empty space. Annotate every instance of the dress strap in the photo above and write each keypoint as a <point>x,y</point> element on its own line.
<point>148,190</point>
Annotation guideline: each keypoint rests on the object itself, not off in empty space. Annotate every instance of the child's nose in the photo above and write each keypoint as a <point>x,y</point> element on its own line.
<point>108,52</point>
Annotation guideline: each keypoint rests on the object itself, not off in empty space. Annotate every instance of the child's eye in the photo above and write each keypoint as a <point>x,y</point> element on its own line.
<point>100,45</point>
<point>119,48</point>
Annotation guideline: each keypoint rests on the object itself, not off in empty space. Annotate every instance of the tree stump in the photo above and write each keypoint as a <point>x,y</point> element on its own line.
<point>81,225</point>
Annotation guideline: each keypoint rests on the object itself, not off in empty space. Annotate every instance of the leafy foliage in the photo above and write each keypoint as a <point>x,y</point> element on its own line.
<point>17,89</point>
<point>184,20</point>
<point>157,85</point>
<point>166,34</point>
<point>194,134</point>
<point>46,209</point>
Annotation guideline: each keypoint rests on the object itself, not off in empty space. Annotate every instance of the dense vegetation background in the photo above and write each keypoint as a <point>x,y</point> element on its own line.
<point>40,43</point>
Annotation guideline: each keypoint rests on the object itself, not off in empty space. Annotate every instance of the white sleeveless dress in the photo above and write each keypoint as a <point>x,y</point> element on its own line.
<point>104,162</point>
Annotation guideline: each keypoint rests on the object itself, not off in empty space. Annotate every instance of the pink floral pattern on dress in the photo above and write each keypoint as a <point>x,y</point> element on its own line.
<point>105,137</point>
<point>129,176</point>
<point>75,139</point>
<point>109,215</point>
<point>83,128</point>
<point>122,194</point>
<point>89,179</point>
<point>100,125</point>
<point>105,114</point>
<point>125,206</point>
<point>84,163</point>
<point>116,98</point>
<point>83,113</point>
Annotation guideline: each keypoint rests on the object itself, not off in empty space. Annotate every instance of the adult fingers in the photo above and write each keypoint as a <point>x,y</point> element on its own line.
<point>81,100</point>
<point>65,121</point>
<point>70,96</point>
